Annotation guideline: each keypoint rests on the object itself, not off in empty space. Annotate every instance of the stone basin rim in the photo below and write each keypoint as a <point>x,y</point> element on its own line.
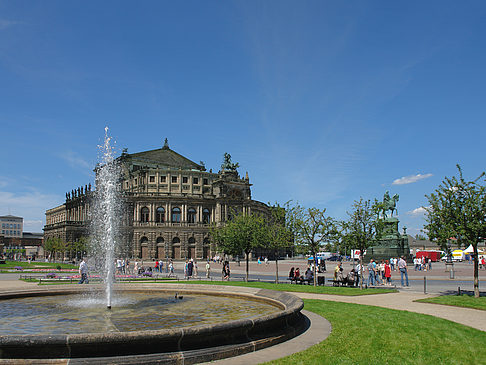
<point>281,324</point>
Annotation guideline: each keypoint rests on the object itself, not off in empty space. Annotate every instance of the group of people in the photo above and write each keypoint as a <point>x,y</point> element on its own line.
<point>379,273</point>
<point>190,269</point>
<point>422,263</point>
<point>225,271</point>
<point>294,275</point>
<point>122,266</point>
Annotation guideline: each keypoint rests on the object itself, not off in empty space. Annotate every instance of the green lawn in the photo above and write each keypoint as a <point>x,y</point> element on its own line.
<point>295,287</point>
<point>464,300</point>
<point>10,265</point>
<point>372,335</point>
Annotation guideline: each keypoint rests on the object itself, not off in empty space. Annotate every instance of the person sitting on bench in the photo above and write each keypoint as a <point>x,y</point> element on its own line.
<point>309,276</point>
<point>291,275</point>
<point>351,278</point>
<point>297,275</point>
<point>338,274</point>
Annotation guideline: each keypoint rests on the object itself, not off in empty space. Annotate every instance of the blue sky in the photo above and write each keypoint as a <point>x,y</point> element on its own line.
<point>322,102</point>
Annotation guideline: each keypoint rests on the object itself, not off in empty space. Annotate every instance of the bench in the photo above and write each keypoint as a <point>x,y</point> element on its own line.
<point>301,280</point>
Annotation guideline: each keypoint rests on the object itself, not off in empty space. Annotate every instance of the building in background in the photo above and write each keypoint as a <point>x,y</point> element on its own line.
<point>170,203</point>
<point>12,226</point>
<point>16,244</point>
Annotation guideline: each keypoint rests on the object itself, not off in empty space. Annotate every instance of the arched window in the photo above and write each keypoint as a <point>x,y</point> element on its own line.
<point>176,215</point>
<point>191,215</point>
<point>176,240</point>
<point>191,240</point>
<point>160,215</point>
<point>160,240</point>
<point>206,216</point>
<point>144,240</point>
<point>144,217</point>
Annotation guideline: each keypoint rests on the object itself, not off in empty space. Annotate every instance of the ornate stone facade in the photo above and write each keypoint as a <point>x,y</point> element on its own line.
<point>170,204</point>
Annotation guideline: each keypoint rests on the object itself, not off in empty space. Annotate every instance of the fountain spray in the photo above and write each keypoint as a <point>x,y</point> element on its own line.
<point>107,214</point>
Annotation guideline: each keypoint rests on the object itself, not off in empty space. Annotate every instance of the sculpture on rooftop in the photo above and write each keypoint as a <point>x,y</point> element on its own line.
<point>227,164</point>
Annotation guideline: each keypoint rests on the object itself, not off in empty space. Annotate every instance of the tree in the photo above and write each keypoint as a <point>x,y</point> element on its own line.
<point>311,229</point>
<point>243,233</point>
<point>362,228</point>
<point>458,210</point>
<point>278,234</point>
<point>54,245</point>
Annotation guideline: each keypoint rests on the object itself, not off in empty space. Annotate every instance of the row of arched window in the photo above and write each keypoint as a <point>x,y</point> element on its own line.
<point>175,216</point>
<point>175,240</point>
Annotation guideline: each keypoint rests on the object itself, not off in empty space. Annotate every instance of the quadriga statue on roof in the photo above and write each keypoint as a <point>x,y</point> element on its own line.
<point>227,164</point>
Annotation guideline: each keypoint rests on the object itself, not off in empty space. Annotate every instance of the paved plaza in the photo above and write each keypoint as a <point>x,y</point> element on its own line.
<point>438,281</point>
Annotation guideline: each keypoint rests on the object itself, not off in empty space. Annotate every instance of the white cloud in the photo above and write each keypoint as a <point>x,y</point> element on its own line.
<point>4,23</point>
<point>410,179</point>
<point>28,223</point>
<point>76,161</point>
<point>417,212</point>
<point>29,205</point>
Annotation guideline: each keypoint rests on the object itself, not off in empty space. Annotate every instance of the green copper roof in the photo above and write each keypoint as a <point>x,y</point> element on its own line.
<point>163,157</point>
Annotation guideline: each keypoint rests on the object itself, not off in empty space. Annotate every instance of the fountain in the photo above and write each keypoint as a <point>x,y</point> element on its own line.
<point>105,222</point>
<point>149,323</point>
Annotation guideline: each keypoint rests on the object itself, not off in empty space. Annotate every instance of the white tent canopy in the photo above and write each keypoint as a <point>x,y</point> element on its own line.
<point>470,249</point>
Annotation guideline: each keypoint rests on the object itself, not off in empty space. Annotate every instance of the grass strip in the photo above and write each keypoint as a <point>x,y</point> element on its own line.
<point>294,287</point>
<point>261,285</point>
<point>464,300</point>
<point>371,335</point>
<point>35,265</point>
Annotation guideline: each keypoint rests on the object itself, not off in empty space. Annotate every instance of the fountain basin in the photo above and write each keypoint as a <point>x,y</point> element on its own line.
<point>192,344</point>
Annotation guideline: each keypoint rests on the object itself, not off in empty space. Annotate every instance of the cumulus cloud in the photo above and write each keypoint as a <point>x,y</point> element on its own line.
<point>417,212</point>
<point>410,179</point>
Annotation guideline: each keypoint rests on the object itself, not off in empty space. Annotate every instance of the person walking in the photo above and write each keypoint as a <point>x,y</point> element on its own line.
<point>171,268</point>
<point>371,273</point>
<point>83,271</point>
<point>402,266</point>
<point>208,269</point>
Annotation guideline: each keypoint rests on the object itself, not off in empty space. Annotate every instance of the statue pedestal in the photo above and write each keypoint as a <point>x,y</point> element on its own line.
<point>390,244</point>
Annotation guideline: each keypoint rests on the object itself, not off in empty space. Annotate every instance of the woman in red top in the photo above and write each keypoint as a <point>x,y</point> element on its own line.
<point>387,273</point>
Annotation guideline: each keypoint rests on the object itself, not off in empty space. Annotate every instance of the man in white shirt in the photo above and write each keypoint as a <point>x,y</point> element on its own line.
<point>83,271</point>
<point>402,266</point>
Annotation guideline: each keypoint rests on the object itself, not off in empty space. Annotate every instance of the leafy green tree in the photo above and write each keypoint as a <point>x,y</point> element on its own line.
<point>54,245</point>
<point>362,228</point>
<point>458,209</point>
<point>311,229</point>
<point>279,235</point>
<point>241,234</point>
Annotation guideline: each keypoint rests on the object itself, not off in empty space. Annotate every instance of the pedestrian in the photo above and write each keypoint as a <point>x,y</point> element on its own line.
<point>208,269</point>
<point>156,265</point>
<point>402,266</point>
<point>135,268</point>
<point>392,264</point>
<point>171,268</point>
<point>371,273</point>
<point>83,271</point>
<point>190,268</point>
<point>195,269</point>
<point>388,273</point>
<point>266,260</point>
